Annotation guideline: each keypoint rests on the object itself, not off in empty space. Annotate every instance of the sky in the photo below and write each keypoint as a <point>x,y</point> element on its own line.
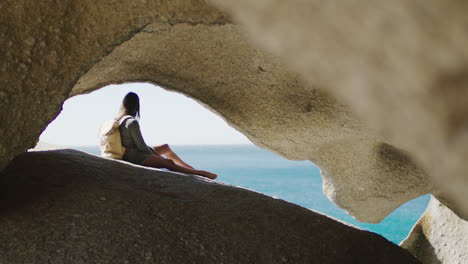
<point>166,117</point>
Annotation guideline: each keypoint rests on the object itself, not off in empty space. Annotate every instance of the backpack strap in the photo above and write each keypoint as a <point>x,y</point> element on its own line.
<point>123,118</point>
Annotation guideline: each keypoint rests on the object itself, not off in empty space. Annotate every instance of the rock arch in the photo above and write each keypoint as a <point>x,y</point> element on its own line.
<point>53,50</point>
<point>198,52</point>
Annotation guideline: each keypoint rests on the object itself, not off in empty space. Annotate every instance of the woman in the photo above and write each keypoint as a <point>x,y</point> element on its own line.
<point>136,149</point>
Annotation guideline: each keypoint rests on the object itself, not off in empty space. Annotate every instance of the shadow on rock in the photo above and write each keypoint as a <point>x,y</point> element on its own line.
<point>67,206</point>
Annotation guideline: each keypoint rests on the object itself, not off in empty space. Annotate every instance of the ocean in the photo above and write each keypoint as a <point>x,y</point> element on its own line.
<point>298,182</point>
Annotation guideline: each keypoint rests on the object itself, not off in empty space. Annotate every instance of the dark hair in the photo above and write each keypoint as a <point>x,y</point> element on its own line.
<point>130,105</point>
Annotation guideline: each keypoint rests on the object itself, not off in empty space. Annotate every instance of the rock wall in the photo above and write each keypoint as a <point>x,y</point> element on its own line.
<point>378,100</point>
<point>67,206</point>
<point>192,48</point>
<point>46,46</point>
<point>440,236</point>
<point>400,65</point>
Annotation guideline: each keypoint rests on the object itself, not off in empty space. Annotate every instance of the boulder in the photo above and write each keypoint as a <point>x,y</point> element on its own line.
<point>400,65</point>
<point>439,237</point>
<point>193,48</point>
<point>66,206</point>
<point>46,46</point>
<point>373,92</point>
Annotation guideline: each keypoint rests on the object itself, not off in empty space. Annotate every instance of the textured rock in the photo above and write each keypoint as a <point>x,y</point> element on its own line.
<point>440,236</point>
<point>70,207</point>
<point>46,46</point>
<point>401,65</point>
<point>192,48</point>
<point>42,146</point>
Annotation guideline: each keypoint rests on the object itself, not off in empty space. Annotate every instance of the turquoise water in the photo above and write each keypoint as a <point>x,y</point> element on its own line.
<point>298,182</point>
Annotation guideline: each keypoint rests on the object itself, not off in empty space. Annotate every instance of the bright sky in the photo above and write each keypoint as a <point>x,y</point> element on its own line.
<point>166,117</point>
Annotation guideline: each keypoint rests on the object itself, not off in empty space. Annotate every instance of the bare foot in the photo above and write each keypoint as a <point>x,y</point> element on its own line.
<point>208,174</point>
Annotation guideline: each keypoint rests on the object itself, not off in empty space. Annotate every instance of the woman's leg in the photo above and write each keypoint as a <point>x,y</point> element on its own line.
<point>160,162</point>
<point>167,151</point>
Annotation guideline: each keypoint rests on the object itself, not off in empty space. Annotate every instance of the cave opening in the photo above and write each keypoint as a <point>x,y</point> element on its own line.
<point>206,141</point>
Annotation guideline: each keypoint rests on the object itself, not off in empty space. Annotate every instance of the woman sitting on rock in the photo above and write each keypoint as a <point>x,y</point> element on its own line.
<point>136,150</point>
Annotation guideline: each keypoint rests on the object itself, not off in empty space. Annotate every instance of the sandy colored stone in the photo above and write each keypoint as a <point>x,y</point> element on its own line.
<point>439,237</point>
<point>401,65</point>
<point>192,48</point>
<point>67,206</point>
<point>46,46</point>
<point>42,146</point>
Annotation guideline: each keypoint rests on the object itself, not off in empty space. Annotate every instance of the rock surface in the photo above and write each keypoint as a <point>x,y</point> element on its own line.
<point>440,236</point>
<point>192,48</point>
<point>67,206</point>
<point>401,65</point>
<point>46,46</point>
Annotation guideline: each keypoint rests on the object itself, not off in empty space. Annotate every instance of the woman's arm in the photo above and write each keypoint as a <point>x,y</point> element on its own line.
<point>135,131</point>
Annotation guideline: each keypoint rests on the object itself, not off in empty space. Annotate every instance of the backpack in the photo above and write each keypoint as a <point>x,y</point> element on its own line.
<point>110,141</point>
